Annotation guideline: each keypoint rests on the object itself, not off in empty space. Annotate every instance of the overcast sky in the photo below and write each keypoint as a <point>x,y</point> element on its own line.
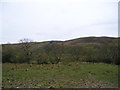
<point>43,20</point>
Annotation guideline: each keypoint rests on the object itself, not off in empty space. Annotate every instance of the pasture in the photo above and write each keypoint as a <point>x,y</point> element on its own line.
<point>62,75</point>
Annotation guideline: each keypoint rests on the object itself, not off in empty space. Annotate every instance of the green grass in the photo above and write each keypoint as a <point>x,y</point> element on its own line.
<point>72,75</point>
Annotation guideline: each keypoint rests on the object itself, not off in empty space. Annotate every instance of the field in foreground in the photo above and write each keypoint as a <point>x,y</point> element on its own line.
<point>65,75</point>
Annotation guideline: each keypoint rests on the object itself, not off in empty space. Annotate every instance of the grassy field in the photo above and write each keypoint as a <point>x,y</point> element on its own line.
<point>63,75</point>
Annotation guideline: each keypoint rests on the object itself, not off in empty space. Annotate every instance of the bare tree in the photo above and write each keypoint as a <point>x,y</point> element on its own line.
<point>25,46</point>
<point>53,51</point>
<point>56,52</point>
<point>75,51</point>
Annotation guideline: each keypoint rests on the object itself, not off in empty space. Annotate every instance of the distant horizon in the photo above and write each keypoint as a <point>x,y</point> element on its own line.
<point>59,40</point>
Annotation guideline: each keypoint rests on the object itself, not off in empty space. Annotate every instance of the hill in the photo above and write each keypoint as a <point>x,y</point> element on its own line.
<point>87,49</point>
<point>92,40</point>
<point>77,41</point>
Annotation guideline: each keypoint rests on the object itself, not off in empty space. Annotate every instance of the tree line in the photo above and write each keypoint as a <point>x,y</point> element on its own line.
<point>53,53</point>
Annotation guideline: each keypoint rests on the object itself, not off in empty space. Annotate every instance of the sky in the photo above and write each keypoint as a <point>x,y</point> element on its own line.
<point>44,20</point>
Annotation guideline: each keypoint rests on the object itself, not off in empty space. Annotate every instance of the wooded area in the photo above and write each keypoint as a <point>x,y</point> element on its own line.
<point>89,49</point>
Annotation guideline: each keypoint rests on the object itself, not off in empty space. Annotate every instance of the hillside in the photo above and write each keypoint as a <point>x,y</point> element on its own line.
<point>91,40</point>
<point>87,49</point>
<point>78,41</point>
